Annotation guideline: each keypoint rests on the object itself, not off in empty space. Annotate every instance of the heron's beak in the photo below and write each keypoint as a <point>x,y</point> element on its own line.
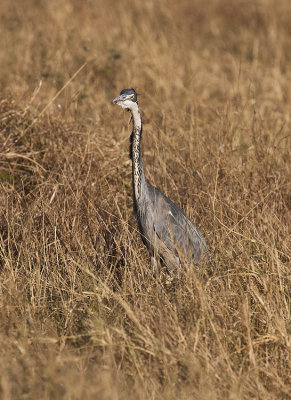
<point>116,100</point>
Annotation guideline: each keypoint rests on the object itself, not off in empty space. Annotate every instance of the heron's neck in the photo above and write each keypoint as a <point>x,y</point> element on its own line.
<point>138,176</point>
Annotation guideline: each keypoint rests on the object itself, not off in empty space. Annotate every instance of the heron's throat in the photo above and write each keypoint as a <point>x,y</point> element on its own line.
<point>138,176</point>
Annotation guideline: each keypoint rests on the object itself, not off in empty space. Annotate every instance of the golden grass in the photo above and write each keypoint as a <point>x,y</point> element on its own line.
<point>82,316</point>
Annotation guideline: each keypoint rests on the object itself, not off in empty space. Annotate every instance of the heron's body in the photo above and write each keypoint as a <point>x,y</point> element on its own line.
<point>164,227</point>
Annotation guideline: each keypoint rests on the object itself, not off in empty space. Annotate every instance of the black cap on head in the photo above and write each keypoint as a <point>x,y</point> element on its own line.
<point>129,92</point>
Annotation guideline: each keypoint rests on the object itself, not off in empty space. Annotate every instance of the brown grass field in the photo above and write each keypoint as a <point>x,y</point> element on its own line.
<point>81,314</point>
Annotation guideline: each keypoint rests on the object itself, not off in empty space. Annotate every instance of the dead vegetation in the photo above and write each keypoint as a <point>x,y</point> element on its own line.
<point>81,315</point>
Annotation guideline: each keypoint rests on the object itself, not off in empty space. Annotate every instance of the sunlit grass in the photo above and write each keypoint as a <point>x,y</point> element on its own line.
<point>82,316</point>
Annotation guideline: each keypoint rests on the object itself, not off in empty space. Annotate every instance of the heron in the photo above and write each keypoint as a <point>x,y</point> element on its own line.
<point>165,230</point>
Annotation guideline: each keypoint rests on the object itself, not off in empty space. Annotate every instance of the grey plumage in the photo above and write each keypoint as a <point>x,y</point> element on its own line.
<point>164,227</point>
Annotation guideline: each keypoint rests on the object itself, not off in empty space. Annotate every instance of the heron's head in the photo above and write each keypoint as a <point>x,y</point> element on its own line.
<point>127,99</point>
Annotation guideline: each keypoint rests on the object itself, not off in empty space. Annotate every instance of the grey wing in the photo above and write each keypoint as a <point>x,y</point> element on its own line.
<point>176,231</point>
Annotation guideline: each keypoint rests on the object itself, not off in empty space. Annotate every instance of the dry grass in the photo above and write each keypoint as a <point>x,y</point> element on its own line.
<point>82,317</point>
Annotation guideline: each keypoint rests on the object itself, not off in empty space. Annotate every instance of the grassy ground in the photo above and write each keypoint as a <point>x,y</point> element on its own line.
<point>81,315</point>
